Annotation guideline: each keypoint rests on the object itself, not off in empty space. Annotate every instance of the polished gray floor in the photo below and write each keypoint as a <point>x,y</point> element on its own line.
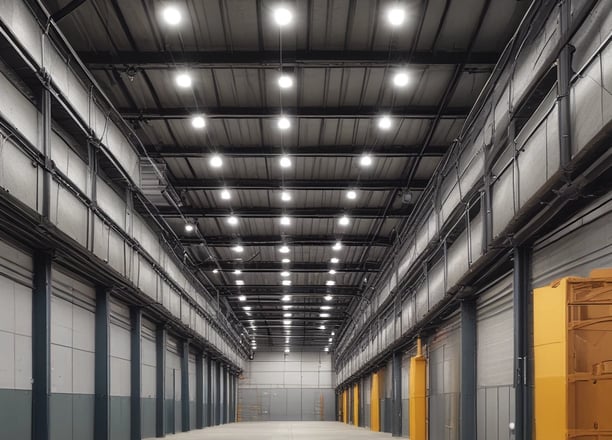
<point>281,430</point>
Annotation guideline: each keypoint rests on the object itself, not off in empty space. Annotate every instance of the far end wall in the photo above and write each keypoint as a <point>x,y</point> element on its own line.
<point>287,387</point>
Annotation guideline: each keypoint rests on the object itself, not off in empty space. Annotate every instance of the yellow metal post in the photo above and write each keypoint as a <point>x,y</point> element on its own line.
<point>356,405</point>
<point>418,395</point>
<point>345,406</point>
<point>375,404</point>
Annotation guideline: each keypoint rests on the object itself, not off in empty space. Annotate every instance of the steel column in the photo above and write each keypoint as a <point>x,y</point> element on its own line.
<point>522,326</point>
<point>225,406</point>
<point>136,373</point>
<point>185,386</point>
<point>102,365</point>
<point>564,76</point>
<point>41,343</point>
<point>160,382</point>
<point>396,404</point>
<point>210,416</point>
<point>468,370</point>
<point>217,402</point>
<point>199,422</point>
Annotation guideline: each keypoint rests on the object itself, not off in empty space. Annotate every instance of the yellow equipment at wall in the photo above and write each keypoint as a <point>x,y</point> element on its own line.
<point>572,330</point>
<point>345,406</point>
<point>375,404</point>
<point>418,395</point>
<point>356,405</point>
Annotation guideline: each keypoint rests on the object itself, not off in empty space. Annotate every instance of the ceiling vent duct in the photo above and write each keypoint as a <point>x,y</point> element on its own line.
<point>155,186</point>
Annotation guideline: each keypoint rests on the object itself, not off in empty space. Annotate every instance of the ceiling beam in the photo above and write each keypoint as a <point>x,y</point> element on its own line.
<point>300,151</point>
<point>271,184</point>
<point>288,290</point>
<point>347,112</point>
<point>275,240</point>
<point>269,59</point>
<point>275,266</point>
<point>263,212</point>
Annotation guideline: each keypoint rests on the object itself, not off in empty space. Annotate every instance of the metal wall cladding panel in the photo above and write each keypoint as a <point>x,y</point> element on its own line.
<point>577,247</point>
<point>145,277</point>
<point>17,175</point>
<point>111,203</point>
<point>591,87</point>
<point>19,111</point>
<point>422,299</point>
<point>69,162</point>
<point>458,259</point>
<point>422,239</point>
<point>444,360</point>
<point>495,330</point>
<point>504,199</point>
<point>69,213</point>
<point>119,360</point>
<point>451,201</point>
<point>437,283</point>
<point>591,34</point>
<point>476,236</point>
<point>173,375</point>
<point>501,110</point>
<point>17,17</point>
<point>119,146</point>
<point>536,56</point>
<point>408,311</point>
<point>192,377</point>
<point>148,365</point>
<point>118,252</point>
<point>147,239</point>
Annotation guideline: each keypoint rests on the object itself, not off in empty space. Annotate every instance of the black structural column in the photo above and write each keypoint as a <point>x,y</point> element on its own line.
<point>217,401</point>
<point>199,397</point>
<point>210,414</point>
<point>522,325</point>
<point>468,370</point>
<point>102,365</point>
<point>41,343</point>
<point>160,382</point>
<point>135,373</point>
<point>225,395</point>
<point>396,404</point>
<point>185,386</point>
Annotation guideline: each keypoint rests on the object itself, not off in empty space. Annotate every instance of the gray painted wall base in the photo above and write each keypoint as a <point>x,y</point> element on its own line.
<point>16,414</point>
<point>147,413</point>
<point>71,416</point>
<point>119,418</point>
<point>286,404</point>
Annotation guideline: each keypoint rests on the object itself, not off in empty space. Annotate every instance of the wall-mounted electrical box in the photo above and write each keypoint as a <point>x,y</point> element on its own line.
<point>573,358</point>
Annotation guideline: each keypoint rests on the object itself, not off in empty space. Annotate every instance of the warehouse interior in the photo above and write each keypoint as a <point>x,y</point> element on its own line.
<point>305,219</point>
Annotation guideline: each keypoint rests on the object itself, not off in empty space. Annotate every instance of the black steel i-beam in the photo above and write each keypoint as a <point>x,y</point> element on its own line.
<point>396,404</point>
<point>522,328</point>
<point>217,401</point>
<point>135,373</point>
<point>160,381</point>
<point>199,422</point>
<point>210,414</point>
<point>467,421</point>
<point>102,365</point>
<point>41,343</point>
<point>185,386</point>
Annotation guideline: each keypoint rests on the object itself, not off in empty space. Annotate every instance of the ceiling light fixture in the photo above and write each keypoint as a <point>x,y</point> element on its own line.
<point>286,196</point>
<point>384,122</point>
<point>365,160</point>
<point>285,161</point>
<point>351,195</point>
<point>330,283</point>
<point>332,271</point>
<point>324,315</point>
<point>239,282</point>
<point>242,298</point>
<point>287,322</point>
<point>238,248</point>
<point>286,298</point>
<point>321,327</point>
<point>237,272</point>
<point>282,16</point>
<point>285,221</point>
<point>215,270</point>
<point>325,307</point>
<point>283,123</point>
<point>287,350</point>
<point>283,249</point>
<point>328,297</point>
<point>225,194</point>
<point>285,273</point>
<point>287,307</point>
<point>198,122</point>
<point>334,260</point>
<point>285,81</point>
<point>216,161</point>
<point>286,282</point>
<point>189,227</point>
<point>247,308</point>
<point>232,220</point>
<point>396,16</point>
<point>337,246</point>
<point>183,80</point>
<point>172,15</point>
<point>344,221</point>
<point>285,260</point>
<point>326,349</point>
<point>330,339</point>
<point>286,315</point>
<point>401,79</point>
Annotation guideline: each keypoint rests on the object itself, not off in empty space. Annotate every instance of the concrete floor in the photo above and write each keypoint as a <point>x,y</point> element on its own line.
<point>281,430</point>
